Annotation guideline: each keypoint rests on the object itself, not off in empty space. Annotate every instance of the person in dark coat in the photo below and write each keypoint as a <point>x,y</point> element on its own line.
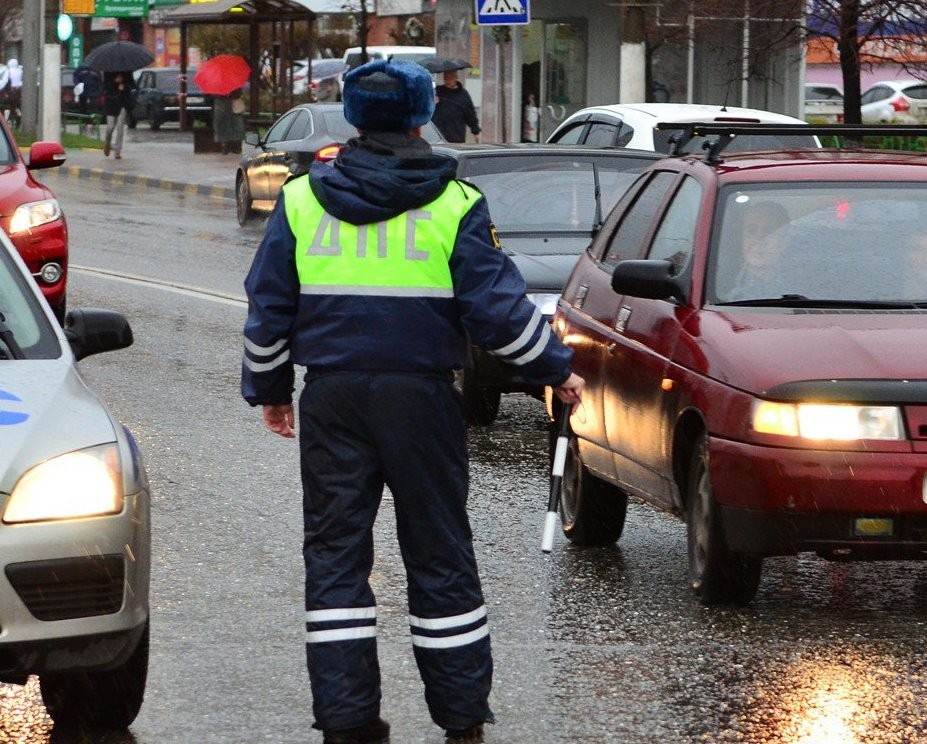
<point>454,110</point>
<point>374,274</point>
<point>91,90</point>
<point>119,98</point>
<point>228,121</point>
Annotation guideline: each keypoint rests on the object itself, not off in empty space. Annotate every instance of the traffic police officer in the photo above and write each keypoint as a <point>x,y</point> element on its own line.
<point>371,275</point>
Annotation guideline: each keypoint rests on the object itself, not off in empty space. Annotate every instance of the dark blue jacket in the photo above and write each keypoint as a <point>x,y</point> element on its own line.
<point>377,177</point>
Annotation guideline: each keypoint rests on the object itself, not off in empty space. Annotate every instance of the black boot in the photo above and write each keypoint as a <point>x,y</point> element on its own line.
<point>472,735</point>
<point>372,732</point>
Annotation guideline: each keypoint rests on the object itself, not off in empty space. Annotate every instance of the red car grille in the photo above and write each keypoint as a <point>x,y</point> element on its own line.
<point>916,418</point>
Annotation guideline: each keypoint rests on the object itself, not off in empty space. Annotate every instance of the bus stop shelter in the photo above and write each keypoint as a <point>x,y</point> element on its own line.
<point>279,15</point>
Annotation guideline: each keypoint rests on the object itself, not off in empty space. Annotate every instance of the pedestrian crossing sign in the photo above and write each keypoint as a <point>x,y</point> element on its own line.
<point>502,12</point>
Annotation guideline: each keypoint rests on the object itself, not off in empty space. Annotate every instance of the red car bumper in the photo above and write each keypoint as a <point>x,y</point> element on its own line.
<point>40,246</point>
<point>777,501</point>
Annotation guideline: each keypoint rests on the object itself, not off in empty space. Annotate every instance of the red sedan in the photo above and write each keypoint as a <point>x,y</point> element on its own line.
<point>31,216</point>
<point>752,329</point>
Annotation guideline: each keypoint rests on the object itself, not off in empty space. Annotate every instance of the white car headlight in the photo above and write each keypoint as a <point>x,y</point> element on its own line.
<point>827,421</point>
<point>34,214</point>
<point>546,303</point>
<point>86,483</point>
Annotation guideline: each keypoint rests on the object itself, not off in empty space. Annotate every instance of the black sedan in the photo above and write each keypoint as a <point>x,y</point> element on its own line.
<point>157,97</point>
<point>305,133</point>
<point>547,202</point>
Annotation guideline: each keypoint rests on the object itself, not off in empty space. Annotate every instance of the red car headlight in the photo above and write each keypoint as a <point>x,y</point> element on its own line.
<point>818,421</point>
<point>34,214</point>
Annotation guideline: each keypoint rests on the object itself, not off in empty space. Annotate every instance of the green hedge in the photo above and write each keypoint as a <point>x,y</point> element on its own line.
<point>906,144</point>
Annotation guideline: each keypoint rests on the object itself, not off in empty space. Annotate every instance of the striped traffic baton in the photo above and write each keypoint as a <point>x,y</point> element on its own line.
<point>556,479</point>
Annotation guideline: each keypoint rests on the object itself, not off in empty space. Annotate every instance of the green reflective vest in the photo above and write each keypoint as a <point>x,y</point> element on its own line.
<point>405,256</point>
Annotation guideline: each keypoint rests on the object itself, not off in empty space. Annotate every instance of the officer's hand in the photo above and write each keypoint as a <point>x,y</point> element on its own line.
<point>279,419</point>
<point>572,390</point>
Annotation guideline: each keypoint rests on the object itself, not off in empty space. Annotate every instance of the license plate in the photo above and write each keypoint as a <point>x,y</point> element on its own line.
<point>195,99</point>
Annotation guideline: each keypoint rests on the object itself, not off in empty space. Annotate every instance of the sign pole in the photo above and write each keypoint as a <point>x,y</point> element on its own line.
<point>50,130</point>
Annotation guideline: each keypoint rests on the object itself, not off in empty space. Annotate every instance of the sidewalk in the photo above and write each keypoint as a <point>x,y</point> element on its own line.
<point>160,164</point>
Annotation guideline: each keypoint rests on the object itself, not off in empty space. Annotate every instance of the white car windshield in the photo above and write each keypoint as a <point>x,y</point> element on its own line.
<point>740,143</point>
<point>24,329</point>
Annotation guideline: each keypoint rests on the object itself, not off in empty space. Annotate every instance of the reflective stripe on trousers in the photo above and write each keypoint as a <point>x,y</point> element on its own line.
<point>359,432</point>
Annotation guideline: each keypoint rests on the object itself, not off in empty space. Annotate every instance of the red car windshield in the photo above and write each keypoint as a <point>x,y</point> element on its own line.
<point>833,242</point>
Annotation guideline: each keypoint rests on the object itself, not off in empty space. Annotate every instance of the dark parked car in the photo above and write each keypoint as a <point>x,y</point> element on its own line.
<point>70,100</point>
<point>752,346</point>
<point>157,97</point>
<point>546,203</point>
<point>308,132</point>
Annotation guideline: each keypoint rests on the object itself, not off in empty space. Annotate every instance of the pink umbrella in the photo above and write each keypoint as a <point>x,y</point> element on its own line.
<point>222,74</point>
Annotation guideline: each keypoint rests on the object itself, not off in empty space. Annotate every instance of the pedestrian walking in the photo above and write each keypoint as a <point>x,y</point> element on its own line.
<point>13,106</point>
<point>454,110</point>
<point>374,275</point>
<point>119,98</point>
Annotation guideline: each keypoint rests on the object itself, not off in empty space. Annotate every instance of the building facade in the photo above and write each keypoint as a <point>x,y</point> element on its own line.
<point>569,56</point>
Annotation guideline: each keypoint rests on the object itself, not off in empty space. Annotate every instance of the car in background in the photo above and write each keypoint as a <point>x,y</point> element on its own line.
<point>823,103</point>
<point>32,217</point>
<point>157,97</point>
<point>70,95</point>
<point>633,125</point>
<point>75,544</point>
<point>780,416</point>
<point>895,102</point>
<point>354,56</point>
<point>306,133</point>
<point>69,102</point>
<point>546,203</point>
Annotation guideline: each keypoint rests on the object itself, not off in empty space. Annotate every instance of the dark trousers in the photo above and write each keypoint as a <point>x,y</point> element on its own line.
<point>359,432</point>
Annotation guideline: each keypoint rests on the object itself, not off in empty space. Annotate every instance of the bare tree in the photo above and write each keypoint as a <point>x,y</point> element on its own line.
<point>11,13</point>
<point>867,32</point>
<point>362,10</point>
<point>863,33</point>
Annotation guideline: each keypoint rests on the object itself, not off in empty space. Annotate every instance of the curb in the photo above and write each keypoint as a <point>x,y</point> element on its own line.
<point>122,179</point>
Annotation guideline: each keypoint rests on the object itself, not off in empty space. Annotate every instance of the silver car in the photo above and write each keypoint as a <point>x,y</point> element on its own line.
<point>75,539</point>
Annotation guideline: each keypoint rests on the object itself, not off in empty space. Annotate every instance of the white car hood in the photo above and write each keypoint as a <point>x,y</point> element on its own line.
<point>45,410</point>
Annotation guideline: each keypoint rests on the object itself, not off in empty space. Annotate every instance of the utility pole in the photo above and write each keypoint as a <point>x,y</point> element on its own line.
<point>33,13</point>
<point>633,79</point>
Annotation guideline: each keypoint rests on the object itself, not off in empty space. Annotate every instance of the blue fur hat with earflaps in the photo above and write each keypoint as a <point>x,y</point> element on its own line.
<point>388,96</point>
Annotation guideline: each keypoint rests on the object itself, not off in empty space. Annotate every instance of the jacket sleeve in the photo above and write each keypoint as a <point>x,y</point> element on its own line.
<point>272,286</point>
<point>472,121</point>
<point>500,319</point>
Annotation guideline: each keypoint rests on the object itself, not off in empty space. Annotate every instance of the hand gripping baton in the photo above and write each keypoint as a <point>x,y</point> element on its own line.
<point>556,479</point>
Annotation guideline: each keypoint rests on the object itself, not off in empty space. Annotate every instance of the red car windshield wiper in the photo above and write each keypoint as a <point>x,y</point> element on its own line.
<point>796,300</point>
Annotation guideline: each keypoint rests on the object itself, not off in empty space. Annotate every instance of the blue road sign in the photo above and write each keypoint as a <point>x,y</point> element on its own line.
<point>502,12</point>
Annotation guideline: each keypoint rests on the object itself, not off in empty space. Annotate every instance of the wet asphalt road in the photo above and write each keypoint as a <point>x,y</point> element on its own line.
<point>604,645</point>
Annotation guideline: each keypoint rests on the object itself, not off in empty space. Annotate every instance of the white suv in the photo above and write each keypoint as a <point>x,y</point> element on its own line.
<point>353,56</point>
<point>632,125</point>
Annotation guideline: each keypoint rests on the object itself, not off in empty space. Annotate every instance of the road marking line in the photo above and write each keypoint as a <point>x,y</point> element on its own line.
<point>169,286</point>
